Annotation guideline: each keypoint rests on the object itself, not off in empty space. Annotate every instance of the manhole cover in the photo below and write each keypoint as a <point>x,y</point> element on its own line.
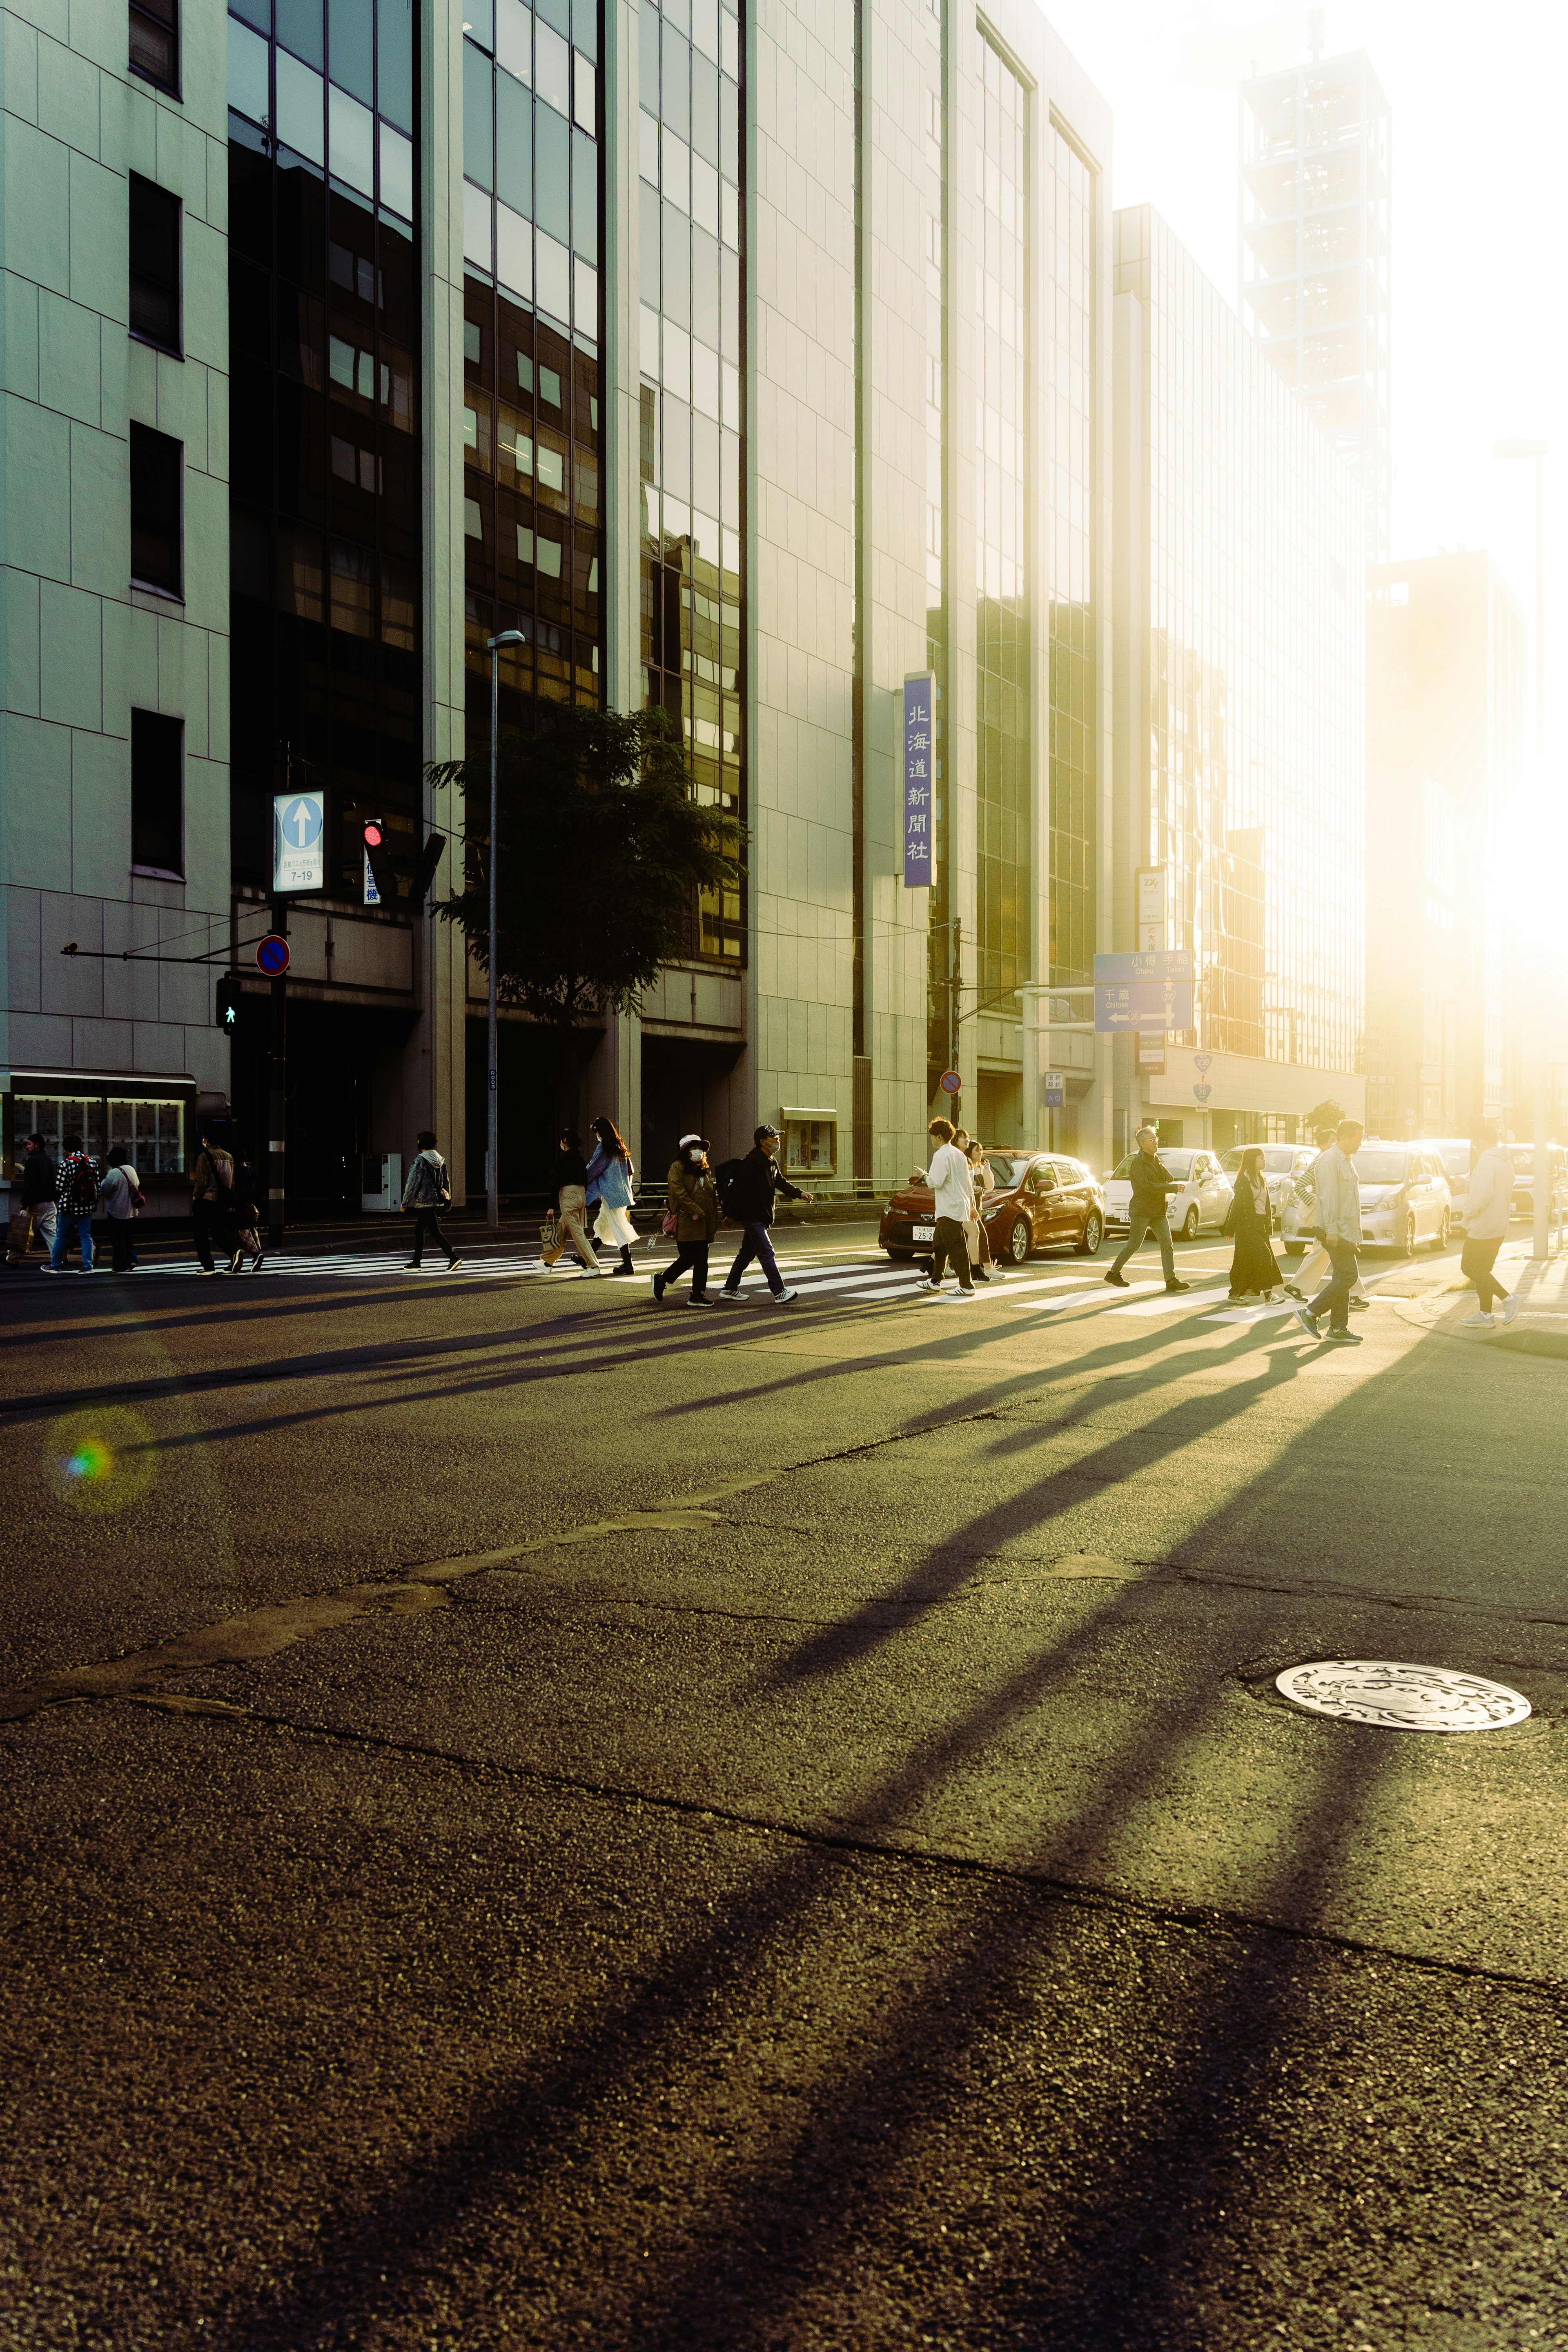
<point>1406,1698</point>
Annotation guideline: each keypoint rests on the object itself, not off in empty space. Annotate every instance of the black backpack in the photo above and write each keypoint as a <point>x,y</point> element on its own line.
<point>727,1183</point>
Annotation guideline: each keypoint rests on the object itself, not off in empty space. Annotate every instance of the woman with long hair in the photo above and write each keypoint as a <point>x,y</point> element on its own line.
<point>1254,1269</point>
<point>982,1265</point>
<point>612,1181</point>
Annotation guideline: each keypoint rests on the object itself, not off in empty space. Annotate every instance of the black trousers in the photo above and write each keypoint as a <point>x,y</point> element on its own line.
<point>424,1222</point>
<point>949,1242</point>
<point>212,1226</point>
<point>120,1243</point>
<point>1476,1260</point>
<point>695,1255</point>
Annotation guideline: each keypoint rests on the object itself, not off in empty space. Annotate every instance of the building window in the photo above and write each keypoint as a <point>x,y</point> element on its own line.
<point>154,264</point>
<point>156,463</point>
<point>155,43</point>
<point>157,794</point>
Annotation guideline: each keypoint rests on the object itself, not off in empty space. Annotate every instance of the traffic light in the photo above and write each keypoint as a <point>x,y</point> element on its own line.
<point>380,886</point>
<point>425,872</point>
<point>227,1013</point>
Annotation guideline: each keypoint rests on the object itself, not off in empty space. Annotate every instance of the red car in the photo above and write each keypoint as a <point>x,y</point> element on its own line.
<point>1042,1201</point>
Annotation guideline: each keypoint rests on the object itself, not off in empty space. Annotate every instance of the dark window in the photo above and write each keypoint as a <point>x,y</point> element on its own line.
<point>155,42</point>
<point>157,792</point>
<point>154,264</point>
<point>155,534</point>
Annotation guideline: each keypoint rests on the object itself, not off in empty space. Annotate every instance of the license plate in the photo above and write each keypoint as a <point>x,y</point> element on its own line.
<point>925,1234</point>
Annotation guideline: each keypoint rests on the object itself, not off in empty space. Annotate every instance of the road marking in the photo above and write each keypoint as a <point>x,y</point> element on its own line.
<point>1169,1302</point>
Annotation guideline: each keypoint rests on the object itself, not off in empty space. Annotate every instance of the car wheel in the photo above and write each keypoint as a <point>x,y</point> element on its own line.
<point>1020,1239</point>
<point>1190,1225</point>
<point>1089,1241</point>
<point>1445,1225</point>
<point>1407,1239</point>
<point>900,1257</point>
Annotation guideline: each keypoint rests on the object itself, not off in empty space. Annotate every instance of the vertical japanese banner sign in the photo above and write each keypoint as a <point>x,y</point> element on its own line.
<point>920,771</point>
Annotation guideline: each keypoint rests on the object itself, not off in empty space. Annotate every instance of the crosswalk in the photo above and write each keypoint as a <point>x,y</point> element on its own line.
<point>820,1278</point>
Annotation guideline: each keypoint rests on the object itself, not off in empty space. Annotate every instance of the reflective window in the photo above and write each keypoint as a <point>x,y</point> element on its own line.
<point>692,364</point>
<point>1068,201</point>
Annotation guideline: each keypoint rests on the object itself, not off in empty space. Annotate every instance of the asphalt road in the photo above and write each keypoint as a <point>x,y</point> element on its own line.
<point>536,1821</point>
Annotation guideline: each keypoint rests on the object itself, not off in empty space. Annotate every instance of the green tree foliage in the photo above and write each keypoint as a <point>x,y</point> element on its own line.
<point>1327,1113</point>
<point>603,848</point>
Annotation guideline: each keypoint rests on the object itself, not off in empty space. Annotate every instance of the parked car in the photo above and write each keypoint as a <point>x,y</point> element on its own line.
<point>1041,1201</point>
<point>1456,1152</point>
<point>1404,1196</point>
<point>1524,1157</point>
<point>1203,1200</point>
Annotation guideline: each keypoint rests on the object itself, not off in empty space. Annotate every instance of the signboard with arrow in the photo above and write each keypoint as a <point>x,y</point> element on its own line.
<point>299,842</point>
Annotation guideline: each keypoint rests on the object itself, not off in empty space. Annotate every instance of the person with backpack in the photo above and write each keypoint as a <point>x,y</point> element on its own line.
<point>693,1219</point>
<point>76,1197</point>
<point>427,1192</point>
<point>120,1196</point>
<point>612,1180</point>
<point>747,1190</point>
<point>212,1203</point>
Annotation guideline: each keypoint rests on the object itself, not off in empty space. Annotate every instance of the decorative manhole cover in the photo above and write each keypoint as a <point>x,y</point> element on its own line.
<point>1405,1698</point>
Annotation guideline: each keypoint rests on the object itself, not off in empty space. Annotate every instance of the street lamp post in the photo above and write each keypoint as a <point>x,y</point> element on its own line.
<point>1542,1155</point>
<point>492,1121</point>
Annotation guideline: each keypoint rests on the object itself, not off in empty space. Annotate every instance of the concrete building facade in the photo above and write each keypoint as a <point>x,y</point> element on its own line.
<point>1239,775</point>
<point>745,362</point>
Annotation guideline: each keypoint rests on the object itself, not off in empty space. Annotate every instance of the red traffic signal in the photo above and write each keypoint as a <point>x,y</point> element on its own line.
<point>382,887</point>
<point>372,833</point>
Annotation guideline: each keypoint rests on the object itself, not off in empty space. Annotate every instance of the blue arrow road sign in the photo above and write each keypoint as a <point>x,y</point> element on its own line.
<point>1145,1006</point>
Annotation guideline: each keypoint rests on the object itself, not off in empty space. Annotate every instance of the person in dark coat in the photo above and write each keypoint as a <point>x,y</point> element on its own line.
<point>695,1214</point>
<point>750,1205</point>
<point>1151,1182</point>
<point>570,1184</point>
<point>37,1198</point>
<point>1254,1271</point>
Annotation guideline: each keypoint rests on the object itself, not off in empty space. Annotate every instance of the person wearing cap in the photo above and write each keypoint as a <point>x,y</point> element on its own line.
<point>695,1215</point>
<point>750,1202</point>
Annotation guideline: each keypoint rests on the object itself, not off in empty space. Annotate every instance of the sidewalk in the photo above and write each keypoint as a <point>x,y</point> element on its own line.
<point>1445,1299</point>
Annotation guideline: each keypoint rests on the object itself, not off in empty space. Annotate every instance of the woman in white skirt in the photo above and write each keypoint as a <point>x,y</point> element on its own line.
<point>611,1182</point>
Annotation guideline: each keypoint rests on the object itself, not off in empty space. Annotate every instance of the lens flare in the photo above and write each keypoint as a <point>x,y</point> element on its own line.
<point>100,1462</point>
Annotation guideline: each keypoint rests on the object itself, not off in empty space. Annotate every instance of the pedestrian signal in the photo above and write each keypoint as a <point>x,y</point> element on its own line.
<point>227,1012</point>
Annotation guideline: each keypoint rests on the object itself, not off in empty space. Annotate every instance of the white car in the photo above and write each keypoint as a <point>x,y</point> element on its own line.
<point>1455,1151</point>
<point>1404,1196</point>
<point>1204,1199</point>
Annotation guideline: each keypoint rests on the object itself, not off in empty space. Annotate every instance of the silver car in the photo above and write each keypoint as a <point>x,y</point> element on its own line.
<point>1404,1196</point>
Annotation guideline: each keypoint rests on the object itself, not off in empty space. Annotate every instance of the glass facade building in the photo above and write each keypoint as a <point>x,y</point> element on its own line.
<point>1241,672</point>
<point>1003,768</point>
<point>1068,199</point>
<point>532,328</point>
<point>692,355</point>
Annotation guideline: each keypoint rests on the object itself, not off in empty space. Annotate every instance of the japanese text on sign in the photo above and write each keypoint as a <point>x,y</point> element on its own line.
<point>919,775</point>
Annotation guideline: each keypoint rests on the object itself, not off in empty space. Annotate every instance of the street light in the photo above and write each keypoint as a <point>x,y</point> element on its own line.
<point>1537,450</point>
<point>492,1126</point>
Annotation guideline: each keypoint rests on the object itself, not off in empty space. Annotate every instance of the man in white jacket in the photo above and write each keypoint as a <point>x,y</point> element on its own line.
<point>1487,1206</point>
<point>1337,1194</point>
<point>949,1179</point>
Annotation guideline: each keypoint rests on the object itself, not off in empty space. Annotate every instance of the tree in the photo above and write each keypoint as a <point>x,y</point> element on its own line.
<point>1327,1115</point>
<point>603,848</point>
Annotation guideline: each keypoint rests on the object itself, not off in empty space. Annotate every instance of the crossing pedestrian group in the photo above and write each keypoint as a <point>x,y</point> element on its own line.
<point>592,1194</point>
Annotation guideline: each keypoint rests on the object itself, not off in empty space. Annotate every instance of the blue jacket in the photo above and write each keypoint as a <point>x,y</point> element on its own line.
<point>610,1179</point>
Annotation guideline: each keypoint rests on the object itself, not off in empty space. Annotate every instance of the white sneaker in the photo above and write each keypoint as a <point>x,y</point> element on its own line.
<point>783,1297</point>
<point>1478,1323</point>
<point>1507,1308</point>
<point>729,1299</point>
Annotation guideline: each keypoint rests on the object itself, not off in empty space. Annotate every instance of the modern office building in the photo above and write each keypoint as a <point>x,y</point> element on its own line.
<point>1240,782</point>
<point>1446,730</point>
<point>1314,254</point>
<point>745,363</point>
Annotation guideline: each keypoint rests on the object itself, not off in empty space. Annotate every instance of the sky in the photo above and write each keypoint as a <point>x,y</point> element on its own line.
<point>1479,325</point>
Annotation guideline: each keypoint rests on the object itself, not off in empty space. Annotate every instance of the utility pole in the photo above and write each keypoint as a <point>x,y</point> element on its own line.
<point>492,1122</point>
<point>277,1066</point>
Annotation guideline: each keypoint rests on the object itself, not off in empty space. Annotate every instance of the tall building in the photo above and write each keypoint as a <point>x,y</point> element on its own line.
<point>1239,786</point>
<point>1315,255</point>
<point>746,365</point>
<point>1446,669</point>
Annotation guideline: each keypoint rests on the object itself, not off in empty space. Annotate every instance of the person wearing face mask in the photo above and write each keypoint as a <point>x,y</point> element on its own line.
<point>693,1219</point>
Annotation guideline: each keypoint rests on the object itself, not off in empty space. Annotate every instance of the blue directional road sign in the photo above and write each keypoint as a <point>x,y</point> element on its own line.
<point>299,851</point>
<point>1152,990</point>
